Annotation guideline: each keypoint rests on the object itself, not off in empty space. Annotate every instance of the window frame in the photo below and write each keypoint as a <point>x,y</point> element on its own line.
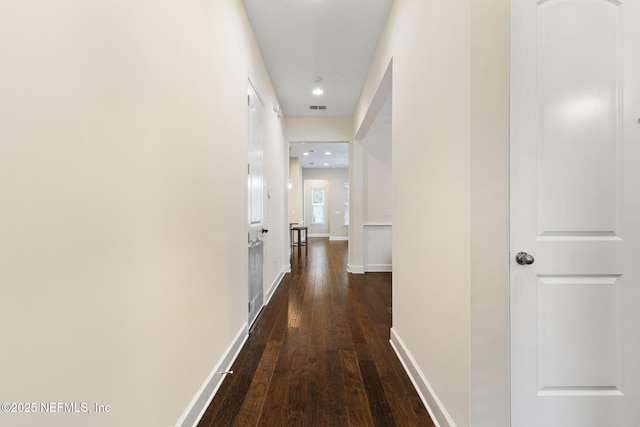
<point>314,206</point>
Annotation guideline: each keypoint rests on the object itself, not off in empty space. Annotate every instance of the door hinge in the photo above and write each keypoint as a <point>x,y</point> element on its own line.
<point>248,168</point>
<point>249,100</point>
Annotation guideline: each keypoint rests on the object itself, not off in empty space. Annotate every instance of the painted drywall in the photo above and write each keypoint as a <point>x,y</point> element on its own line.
<point>450,175</point>
<point>356,207</point>
<point>123,252</point>
<point>336,179</point>
<point>371,182</point>
<point>377,171</point>
<point>295,192</point>
<point>376,247</point>
<point>489,114</point>
<point>377,197</point>
<point>318,129</point>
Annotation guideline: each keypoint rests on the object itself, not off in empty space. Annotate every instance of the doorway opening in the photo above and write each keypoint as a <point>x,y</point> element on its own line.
<point>318,189</point>
<point>371,192</point>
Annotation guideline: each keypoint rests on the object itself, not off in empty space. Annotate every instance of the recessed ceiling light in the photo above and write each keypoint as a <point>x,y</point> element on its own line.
<point>328,153</point>
<point>326,164</point>
<point>317,91</point>
<point>305,154</point>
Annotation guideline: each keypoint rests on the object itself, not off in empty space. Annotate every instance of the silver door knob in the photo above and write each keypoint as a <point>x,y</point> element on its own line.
<point>524,258</point>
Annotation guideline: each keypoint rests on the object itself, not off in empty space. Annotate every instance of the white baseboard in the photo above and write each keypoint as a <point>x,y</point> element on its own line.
<point>287,267</point>
<point>318,235</point>
<point>276,283</point>
<point>331,238</point>
<point>355,269</point>
<point>204,396</point>
<point>377,268</point>
<point>434,406</point>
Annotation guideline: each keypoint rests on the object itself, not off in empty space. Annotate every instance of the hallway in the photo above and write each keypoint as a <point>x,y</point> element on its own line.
<point>319,354</point>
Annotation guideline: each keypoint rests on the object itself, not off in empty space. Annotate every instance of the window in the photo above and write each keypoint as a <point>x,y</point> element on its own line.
<point>317,205</point>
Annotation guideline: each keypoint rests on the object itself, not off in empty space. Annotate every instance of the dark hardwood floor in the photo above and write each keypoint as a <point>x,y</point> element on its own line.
<point>319,354</point>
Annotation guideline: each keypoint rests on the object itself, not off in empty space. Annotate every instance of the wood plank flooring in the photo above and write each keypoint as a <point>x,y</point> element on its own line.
<point>319,354</point>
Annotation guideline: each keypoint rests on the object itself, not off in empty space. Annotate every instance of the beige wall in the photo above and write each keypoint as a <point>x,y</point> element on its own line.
<point>489,115</point>
<point>371,199</point>
<point>356,206</point>
<point>295,192</point>
<point>123,130</point>
<point>310,129</point>
<point>377,172</point>
<point>336,178</point>
<point>450,186</point>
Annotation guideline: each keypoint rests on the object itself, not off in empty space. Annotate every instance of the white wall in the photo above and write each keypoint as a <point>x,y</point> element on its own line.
<point>335,178</point>
<point>377,197</point>
<point>489,258</point>
<point>123,202</point>
<point>377,174</point>
<point>377,247</point>
<point>357,194</point>
<point>295,192</point>
<point>450,200</point>
<point>318,129</point>
<point>362,164</point>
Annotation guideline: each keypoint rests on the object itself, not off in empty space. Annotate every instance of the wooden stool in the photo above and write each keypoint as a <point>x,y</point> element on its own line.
<point>300,242</point>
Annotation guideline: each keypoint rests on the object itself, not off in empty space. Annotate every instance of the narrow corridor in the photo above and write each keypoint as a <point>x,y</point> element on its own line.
<point>319,354</point>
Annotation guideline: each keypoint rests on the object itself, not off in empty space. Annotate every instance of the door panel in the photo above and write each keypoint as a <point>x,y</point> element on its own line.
<point>256,258</point>
<point>579,335</point>
<point>579,117</point>
<point>575,206</point>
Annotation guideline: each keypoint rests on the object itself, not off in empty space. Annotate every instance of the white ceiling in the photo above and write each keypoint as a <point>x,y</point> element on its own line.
<point>316,154</point>
<point>301,40</point>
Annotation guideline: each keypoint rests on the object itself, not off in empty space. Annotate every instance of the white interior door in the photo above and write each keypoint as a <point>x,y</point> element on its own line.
<point>255,214</point>
<point>575,207</point>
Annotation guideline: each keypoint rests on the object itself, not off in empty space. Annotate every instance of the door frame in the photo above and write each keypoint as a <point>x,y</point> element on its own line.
<point>252,232</point>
